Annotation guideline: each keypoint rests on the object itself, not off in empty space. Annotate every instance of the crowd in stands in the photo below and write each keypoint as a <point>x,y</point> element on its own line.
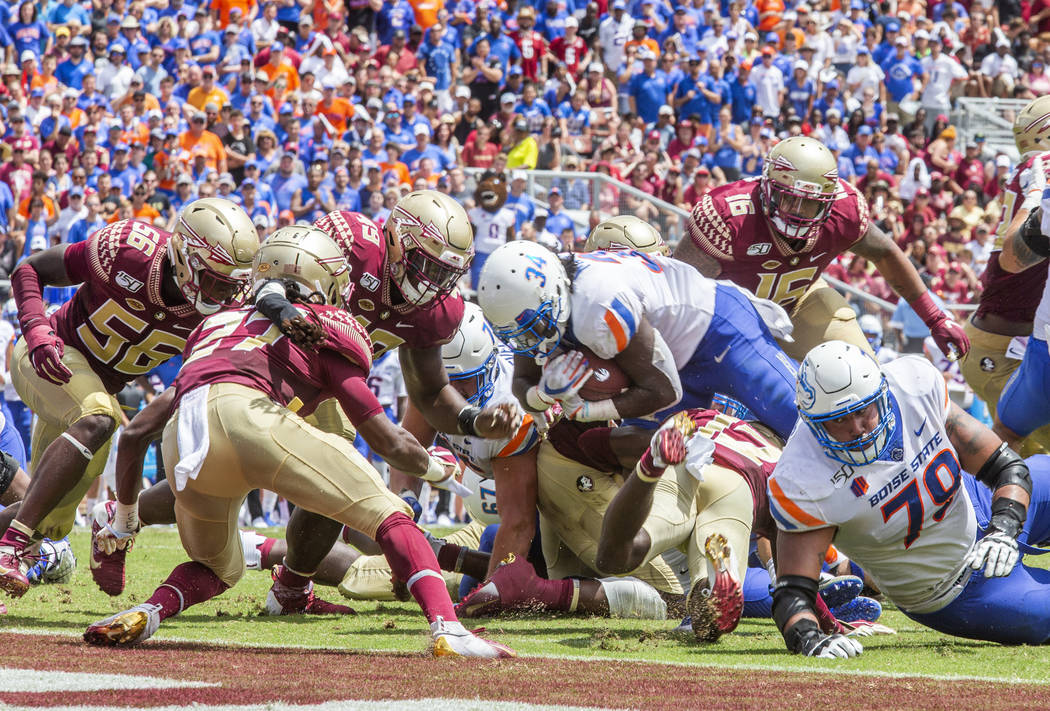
<point>113,109</point>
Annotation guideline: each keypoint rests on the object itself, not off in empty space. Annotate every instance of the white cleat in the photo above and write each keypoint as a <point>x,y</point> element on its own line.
<point>452,639</point>
<point>128,627</point>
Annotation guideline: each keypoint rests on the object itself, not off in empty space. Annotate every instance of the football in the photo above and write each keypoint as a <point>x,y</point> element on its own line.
<point>608,380</point>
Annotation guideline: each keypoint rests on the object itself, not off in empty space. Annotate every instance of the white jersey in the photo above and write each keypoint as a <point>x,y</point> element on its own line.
<point>905,518</point>
<point>490,228</point>
<point>386,381</point>
<point>481,504</point>
<point>612,291</point>
<point>478,452</point>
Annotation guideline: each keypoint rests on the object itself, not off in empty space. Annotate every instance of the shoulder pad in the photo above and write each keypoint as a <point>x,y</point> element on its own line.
<point>852,207</point>
<point>346,337</point>
<point>103,247</point>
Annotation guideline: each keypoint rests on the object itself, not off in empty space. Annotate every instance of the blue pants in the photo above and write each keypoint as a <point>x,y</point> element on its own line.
<point>10,439</point>
<point>740,358</point>
<point>475,268</point>
<point>1014,609</point>
<point>1024,405</point>
<point>22,418</point>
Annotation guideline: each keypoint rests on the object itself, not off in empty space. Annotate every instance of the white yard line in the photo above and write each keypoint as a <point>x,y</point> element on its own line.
<point>37,680</point>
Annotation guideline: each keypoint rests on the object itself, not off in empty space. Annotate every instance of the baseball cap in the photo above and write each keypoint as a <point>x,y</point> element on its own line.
<point>571,22</point>
<point>863,50</point>
<point>421,130</point>
<point>802,64</point>
<point>702,170</point>
<point>772,37</point>
<point>120,147</point>
<point>922,193</point>
<point>36,93</point>
<point>922,34</point>
<point>619,5</point>
<point>507,98</point>
<point>1002,161</point>
<point>902,41</point>
<point>768,51</point>
<point>113,47</point>
<point>462,92</point>
<point>665,110</point>
<point>653,135</point>
<point>27,56</point>
<point>157,133</point>
<point>277,46</point>
<point>184,180</point>
<point>554,191</point>
<point>514,71</point>
<point>893,27</point>
<point>864,131</point>
<point>518,174</point>
<point>129,23</point>
<point>521,125</point>
<point>79,41</point>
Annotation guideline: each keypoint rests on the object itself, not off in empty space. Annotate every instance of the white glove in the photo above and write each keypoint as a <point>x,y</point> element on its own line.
<point>442,470</point>
<point>835,646</point>
<point>563,376</point>
<point>699,452</point>
<point>863,628</point>
<point>118,532</point>
<point>997,553</point>
<point>1033,180</point>
<point>576,408</point>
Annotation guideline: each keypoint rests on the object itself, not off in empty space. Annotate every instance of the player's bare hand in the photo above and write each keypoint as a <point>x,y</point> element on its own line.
<point>304,333</point>
<point>46,356</point>
<point>499,421</point>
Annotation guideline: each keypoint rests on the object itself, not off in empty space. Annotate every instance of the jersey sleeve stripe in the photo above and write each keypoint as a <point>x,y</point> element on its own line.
<point>616,329</point>
<point>791,508</point>
<point>520,437</point>
<point>626,316</point>
<point>780,517</point>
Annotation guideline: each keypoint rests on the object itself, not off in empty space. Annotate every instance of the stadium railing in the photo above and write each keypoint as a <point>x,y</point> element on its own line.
<point>992,117</point>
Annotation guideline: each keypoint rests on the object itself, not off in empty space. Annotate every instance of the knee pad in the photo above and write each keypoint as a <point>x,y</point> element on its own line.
<point>8,469</point>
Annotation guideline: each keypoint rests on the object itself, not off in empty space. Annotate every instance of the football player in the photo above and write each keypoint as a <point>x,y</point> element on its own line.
<point>776,234</point>
<point>1004,316</point>
<point>142,291</point>
<point>492,222</point>
<point>676,334</point>
<point>236,429</point>
<point>626,233</point>
<point>879,469</point>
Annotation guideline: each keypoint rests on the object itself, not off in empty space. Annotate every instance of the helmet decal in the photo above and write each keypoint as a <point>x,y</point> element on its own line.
<point>215,250</point>
<point>808,396</point>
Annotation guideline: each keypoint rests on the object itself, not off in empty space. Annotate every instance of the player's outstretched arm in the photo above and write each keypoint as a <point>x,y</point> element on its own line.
<point>799,556</point>
<point>28,282</point>
<point>516,492</point>
<point>145,428</point>
<point>442,406</point>
<point>905,281</point>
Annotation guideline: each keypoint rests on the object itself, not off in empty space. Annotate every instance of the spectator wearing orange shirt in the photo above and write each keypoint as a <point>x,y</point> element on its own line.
<point>640,38</point>
<point>207,92</point>
<point>198,141</point>
<point>37,190</point>
<point>770,14</point>
<point>335,109</point>
<point>221,10</point>
<point>283,77</point>
<point>70,110</point>
<point>141,209</point>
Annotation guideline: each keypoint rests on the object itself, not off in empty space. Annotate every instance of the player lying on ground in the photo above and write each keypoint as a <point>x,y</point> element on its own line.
<point>143,290</point>
<point>879,470</point>
<point>236,429</point>
<point>775,235</point>
<point>678,336</point>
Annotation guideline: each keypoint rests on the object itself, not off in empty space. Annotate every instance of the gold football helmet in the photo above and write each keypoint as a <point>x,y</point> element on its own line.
<point>308,257</point>
<point>799,182</point>
<point>1032,126</point>
<point>626,232</point>
<point>211,251</point>
<point>429,244</point>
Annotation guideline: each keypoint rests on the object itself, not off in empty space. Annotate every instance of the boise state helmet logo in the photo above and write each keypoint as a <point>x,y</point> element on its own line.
<point>807,395</point>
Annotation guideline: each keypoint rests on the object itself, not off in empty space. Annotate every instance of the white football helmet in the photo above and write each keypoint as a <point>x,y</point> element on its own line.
<point>837,379</point>
<point>872,328</point>
<point>211,251</point>
<point>626,232</point>
<point>429,243</point>
<point>524,292</point>
<point>471,355</point>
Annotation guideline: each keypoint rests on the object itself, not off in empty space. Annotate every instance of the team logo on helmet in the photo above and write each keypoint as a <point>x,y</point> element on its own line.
<point>809,394</point>
<point>216,251</point>
<point>782,163</point>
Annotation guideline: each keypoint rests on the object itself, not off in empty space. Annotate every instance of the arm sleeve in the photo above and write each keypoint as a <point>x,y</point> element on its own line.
<point>351,389</point>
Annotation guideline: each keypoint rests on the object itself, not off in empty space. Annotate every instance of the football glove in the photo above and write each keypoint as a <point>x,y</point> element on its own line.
<point>563,376</point>
<point>45,353</point>
<point>830,646</point>
<point>1033,182</point>
<point>948,335</point>
<point>442,470</point>
<point>997,553</point>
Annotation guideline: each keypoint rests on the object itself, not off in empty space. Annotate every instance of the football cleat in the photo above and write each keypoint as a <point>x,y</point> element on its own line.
<point>859,609</point>
<point>452,639</point>
<point>508,588</point>
<point>107,569</point>
<point>129,627</point>
<point>13,566</point>
<point>286,600</point>
<point>717,606</point>
<point>840,589</point>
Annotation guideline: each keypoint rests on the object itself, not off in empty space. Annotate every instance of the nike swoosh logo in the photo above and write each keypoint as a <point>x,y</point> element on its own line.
<point>918,432</point>
<point>815,257</point>
<point>720,358</point>
<point>402,324</point>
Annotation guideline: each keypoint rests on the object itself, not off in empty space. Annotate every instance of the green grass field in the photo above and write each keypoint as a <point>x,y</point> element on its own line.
<point>235,619</point>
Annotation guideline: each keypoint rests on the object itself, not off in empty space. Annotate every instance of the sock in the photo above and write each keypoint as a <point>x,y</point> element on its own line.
<point>17,535</point>
<point>264,550</point>
<point>412,560</point>
<point>555,595</point>
<point>290,579</point>
<point>188,584</point>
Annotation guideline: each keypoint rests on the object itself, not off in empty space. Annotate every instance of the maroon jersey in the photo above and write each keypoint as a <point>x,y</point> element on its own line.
<point>118,319</point>
<point>365,251</point>
<point>729,223</point>
<point>1012,297</point>
<point>244,347</point>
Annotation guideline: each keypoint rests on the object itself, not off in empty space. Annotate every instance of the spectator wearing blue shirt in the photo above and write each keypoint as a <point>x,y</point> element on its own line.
<point>647,90</point>
<point>423,149</point>
<point>394,131</point>
<point>519,199</point>
<point>67,12</point>
<point>29,34</point>
<point>800,89</point>
<point>886,48</point>
<point>689,99</point>
<point>551,22</point>
<point>901,69</point>
<point>501,45</point>
<point>123,174</point>
<point>438,58</point>
<point>742,94</point>
<point>285,181</point>
<point>680,27</point>
<point>861,151</point>
<point>7,203</point>
<point>533,109</point>
<point>394,15</point>
<point>345,196</point>
<point>830,99</point>
<point>86,226</point>
<point>558,221</point>
<point>846,171</point>
<point>204,47</point>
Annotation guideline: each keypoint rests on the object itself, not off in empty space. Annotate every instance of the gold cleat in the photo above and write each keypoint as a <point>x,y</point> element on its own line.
<point>129,627</point>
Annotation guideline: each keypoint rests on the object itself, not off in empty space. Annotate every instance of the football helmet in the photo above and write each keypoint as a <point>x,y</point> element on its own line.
<point>211,251</point>
<point>1032,126</point>
<point>471,356</point>
<point>799,182</point>
<point>429,244</point>
<point>524,292</point>
<point>872,328</point>
<point>308,257</point>
<point>626,232</point>
<point>491,193</point>
<point>837,379</point>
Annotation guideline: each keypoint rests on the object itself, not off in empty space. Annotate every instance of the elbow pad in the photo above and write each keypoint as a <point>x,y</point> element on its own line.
<point>792,595</point>
<point>1031,233</point>
<point>274,305</point>
<point>1004,468</point>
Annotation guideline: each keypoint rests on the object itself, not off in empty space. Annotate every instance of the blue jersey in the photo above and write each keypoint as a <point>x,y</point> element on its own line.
<point>900,75</point>
<point>393,16</point>
<point>743,98</point>
<point>575,119</point>
<point>650,93</point>
<point>698,105</point>
<point>534,114</point>
<point>438,62</point>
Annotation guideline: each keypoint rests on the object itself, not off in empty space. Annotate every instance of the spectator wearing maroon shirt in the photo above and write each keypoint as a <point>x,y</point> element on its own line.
<point>970,174</point>
<point>685,135</point>
<point>700,186</point>
<point>873,174</point>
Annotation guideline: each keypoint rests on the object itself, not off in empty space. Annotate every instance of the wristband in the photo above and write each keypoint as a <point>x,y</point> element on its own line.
<point>467,419</point>
<point>646,469</point>
<point>126,517</point>
<point>436,470</point>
